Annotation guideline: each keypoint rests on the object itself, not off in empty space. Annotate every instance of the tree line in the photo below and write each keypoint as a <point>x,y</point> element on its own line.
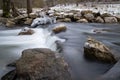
<point>8,5</point>
<point>42,3</point>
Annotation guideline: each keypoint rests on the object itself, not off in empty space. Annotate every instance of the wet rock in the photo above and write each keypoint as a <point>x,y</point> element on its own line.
<point>39,64</point>
<point>10,23</point>
<point>110,19</point>
<point>99,20</point>
<point>89,16</point>
<point>26,31</point>
<point>82,21</point>
<point>28,21</point>
<point>96,50</point>
<point>59,29</point>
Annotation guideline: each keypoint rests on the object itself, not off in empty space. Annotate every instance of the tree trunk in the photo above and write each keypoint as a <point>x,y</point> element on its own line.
<point>29,6</point>
<point>6,8</point>
<point>15,11</point>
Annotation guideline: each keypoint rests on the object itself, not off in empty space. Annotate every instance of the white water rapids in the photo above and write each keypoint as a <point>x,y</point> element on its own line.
<point>12,44</point>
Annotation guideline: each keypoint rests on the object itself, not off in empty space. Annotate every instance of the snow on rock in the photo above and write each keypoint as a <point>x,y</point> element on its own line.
<point>96,50</point>
<point>44,19</point>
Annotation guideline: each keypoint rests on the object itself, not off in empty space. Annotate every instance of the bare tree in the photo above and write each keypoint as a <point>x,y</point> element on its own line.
<point>29,6</point>
<point>6,8</point>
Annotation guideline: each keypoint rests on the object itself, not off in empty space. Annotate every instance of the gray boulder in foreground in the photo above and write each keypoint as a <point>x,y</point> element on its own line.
<point>39,64</point>
<point>96,50</point>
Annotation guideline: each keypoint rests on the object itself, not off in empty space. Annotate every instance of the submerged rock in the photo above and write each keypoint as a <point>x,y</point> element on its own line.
<point>39,64</point>
<point>96,50</point>
<point>26,31</point>
<point>59,29</point>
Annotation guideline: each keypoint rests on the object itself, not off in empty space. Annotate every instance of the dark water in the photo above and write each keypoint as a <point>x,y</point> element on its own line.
<point>76,35</point>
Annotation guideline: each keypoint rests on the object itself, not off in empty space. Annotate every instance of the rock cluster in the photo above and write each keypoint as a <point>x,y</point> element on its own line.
<point>96,50</point>
<point>86,16</point>
<point>21,19</point>
<point>39,64</point>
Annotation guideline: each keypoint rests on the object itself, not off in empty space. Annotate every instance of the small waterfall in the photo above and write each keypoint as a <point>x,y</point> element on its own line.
<point>12,44</point>
<point>43,19</point>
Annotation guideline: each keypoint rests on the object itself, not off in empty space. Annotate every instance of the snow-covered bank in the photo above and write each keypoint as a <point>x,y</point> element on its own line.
<point>113,9</point>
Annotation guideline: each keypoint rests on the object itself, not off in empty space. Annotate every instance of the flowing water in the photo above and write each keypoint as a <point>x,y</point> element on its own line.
<point>11,46</point>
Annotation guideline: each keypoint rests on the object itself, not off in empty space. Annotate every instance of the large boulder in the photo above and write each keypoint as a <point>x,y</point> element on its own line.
<point>99,20</point>
<point>39,64</point>
<point>110,19</point>
<point>26,31</point>
<point>59,28</point>
<point>82,21</point>
<point>96,50</point>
